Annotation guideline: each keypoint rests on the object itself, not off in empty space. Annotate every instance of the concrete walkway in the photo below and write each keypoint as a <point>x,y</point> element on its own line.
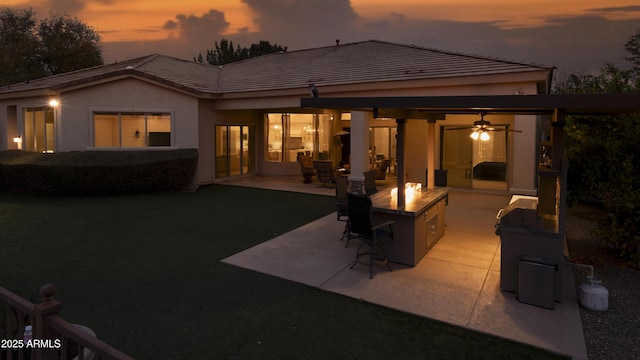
<point>458,280</point>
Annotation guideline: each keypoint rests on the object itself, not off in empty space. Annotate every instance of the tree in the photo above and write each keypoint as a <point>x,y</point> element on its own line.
<point>30,49</point>
<point>225,53</point>
<point>604,155</point>
<point>68,44</point>
<point>19,46</point>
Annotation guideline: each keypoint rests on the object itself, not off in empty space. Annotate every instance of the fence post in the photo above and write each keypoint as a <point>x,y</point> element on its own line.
<point>42,330</point>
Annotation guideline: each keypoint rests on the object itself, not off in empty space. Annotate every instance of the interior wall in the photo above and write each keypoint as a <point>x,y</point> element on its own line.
<point>416,151</point>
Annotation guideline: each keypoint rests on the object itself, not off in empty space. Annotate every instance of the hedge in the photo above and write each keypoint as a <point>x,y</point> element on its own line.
<point>97,172</point>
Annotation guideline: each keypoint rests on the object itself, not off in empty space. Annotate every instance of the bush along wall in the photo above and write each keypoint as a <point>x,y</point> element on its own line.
<point>97,172</point>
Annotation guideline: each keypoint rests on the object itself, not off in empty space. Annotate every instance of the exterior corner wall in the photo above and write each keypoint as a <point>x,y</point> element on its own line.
<point>524,156</point>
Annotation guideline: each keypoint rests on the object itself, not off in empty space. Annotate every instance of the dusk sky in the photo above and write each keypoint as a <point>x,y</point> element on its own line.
<point>573,35</point>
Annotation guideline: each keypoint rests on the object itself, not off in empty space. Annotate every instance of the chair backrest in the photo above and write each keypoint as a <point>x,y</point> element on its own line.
<point>305,161</point>
<point>370,182</point>
<point>360,215</point>
<point>341,195</point>
<point>324,170</point>
<point>385,165</point>
<point>383,169</point>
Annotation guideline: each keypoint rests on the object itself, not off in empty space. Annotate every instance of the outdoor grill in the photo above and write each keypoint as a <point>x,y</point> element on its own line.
<point>532,253</point>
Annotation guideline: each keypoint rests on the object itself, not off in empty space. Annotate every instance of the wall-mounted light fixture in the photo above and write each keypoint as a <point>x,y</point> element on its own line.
<point>54,103</point>
<point>18,140</point>
<point>137,133</point>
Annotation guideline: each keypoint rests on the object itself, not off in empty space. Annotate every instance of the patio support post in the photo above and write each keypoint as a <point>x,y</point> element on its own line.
<point>431,153</point>
<point>359,150</point>
<point>559,163</point>
<point>400,140</point>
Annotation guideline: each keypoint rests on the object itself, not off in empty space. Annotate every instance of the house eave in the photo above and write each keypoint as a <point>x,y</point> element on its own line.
<point>581,104</point>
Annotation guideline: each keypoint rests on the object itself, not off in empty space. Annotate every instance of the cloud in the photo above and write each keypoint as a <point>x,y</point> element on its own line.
<point>615,9</point>
<point>188,27</point>
<point>70,7</point>
<point>303,23</point>
<point>574,43</point>
<point>190,35</point>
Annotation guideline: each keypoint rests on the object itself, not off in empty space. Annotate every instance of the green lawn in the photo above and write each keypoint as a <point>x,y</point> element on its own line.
<point>144,273</point>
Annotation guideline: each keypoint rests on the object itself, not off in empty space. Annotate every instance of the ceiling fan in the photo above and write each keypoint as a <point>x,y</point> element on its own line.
<point>481,128</point>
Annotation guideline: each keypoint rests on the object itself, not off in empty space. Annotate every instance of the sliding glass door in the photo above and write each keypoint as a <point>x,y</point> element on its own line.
<point>456,151</point>
<point>39,130</point>
<point>233,150</point>
<point>473,163</point>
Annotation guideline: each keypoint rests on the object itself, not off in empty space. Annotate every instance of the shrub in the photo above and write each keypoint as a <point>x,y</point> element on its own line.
<point>97,172</point>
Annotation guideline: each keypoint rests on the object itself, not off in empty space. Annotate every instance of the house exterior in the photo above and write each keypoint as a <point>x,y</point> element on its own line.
<point>245,118</point>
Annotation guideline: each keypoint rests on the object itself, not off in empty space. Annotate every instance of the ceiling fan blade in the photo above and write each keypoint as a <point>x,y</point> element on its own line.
<point>509,130</point>
<point>460,128</point>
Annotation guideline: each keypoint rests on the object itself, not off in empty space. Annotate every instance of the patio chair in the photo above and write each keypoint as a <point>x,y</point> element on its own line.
<point>306,166</point>
<point>324,171</point>
<point>370,182</point>
<point>342,206</point>
<point>374,236</point>
<point>382,169</point>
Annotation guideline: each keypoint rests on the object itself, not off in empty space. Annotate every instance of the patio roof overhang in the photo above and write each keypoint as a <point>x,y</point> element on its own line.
<point>432,108</point>
<point>417,107</point>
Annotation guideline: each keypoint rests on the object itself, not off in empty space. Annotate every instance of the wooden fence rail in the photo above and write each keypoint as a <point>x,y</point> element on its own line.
<point>52,337</point>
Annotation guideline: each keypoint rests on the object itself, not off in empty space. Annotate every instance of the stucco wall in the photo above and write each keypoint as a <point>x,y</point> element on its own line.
<point>74,118</point>
<point>208,118</point>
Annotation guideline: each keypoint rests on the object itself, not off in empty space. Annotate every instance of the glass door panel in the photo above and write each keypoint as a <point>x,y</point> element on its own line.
<point>490,161</point>
<point>221,152</point>
<point>235,150</point>
<point>457,156</point>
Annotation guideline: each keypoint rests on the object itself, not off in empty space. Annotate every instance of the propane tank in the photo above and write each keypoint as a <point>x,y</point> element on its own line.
<point>593,295</point>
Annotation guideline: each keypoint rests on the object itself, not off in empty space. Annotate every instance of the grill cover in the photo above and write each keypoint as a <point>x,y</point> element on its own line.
<point>521,213</point>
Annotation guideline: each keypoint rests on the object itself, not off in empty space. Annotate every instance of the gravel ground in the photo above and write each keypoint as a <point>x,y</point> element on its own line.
<point>615,333</point>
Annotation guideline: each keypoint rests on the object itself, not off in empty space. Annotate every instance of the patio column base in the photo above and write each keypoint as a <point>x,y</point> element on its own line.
<point>356,187</point>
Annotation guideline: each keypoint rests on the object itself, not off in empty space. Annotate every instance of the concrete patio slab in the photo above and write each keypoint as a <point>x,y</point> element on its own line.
<point>458,280</point>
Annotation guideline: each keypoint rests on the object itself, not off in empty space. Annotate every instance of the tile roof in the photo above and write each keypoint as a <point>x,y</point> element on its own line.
<point>362,62</point>
<point>369,61</point>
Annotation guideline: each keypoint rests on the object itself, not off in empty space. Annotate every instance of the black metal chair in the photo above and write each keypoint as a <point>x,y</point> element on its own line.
<point>370,182</point>
<point>374,236</point>
<point>324,171</point>
<point>342,205</point>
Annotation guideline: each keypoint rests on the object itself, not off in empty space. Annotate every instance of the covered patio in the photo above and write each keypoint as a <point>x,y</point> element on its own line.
<point>458,280</point>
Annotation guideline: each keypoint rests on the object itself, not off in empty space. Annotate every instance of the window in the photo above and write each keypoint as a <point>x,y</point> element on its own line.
<point>131,129</point>
<point>290,134</point>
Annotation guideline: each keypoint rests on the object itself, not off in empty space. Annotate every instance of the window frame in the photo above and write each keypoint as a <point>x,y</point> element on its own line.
<point>145,130</point>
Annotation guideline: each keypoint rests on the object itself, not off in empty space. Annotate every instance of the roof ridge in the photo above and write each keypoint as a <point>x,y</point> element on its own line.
<point>473,56</point>
<point>147,59</point>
